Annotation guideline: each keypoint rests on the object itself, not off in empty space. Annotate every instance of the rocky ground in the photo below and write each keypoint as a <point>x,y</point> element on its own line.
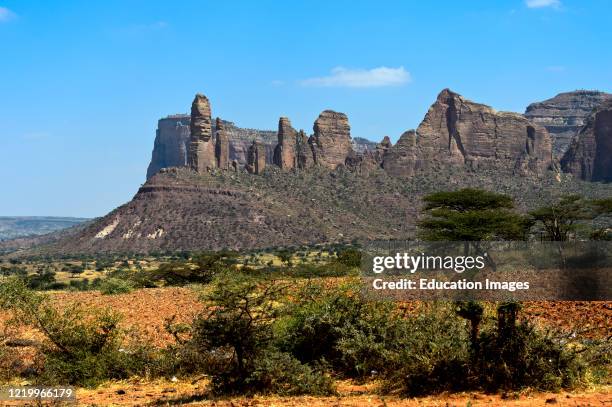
<point>161,393</point>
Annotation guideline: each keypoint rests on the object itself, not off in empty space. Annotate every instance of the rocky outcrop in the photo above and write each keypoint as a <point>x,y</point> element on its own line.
<point>381,149</point>
<point>256,160</point>
<point>565,114</point>
<point>284,153</point>
<point>400,160</point>
<point>221,146</point>
<point>304,151</point>
<point>458,132</point>
<point>171,144</point>
<point>201,155</point>
<point>589,156</point>
<point>331,142</point>
<point>173,136</point>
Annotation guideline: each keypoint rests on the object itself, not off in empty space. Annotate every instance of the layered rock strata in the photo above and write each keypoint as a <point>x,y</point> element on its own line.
<point>456,131</point>
<point>589,157</point>
<point>565,114</point>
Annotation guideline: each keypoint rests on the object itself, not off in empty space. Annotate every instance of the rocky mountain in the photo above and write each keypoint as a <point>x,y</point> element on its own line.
<point>565,114</point>
<point>319,188</point>
<point>589,156</point>
<point>458,132</point>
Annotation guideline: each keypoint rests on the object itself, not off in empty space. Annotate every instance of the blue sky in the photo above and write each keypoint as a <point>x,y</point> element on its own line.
<point>82,83</point>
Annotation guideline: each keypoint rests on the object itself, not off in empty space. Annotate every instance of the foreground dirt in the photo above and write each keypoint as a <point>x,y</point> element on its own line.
<point>350,395</point>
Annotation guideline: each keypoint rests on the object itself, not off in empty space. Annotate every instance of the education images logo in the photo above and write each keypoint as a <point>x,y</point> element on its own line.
<point>402,263</point>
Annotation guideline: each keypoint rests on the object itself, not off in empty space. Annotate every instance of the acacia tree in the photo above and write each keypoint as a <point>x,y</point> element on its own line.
<point>561,220</point>
<point>471,215</point>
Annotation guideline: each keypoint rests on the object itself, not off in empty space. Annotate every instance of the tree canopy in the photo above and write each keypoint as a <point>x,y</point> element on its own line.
<point>471,215</point>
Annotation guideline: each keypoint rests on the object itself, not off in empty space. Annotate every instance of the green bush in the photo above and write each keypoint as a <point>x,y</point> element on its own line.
<point>235,329</point>
<point>515,355</point>
<point>113,285</point>
<point>350,257</point>
<point>81,347</point>
<point>201,269</point>
<point>280,373</point>
<point>431,356</point>
<point>312,327</point>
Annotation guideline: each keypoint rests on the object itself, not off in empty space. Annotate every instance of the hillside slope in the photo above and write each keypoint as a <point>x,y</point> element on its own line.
<point>179,209</point>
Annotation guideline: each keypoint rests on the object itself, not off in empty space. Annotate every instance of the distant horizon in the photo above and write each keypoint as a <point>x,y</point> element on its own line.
<point>84,83</point>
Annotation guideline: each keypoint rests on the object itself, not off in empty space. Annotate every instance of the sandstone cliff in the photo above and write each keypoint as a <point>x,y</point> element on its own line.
<point>458,132</point>
<point>304,151</point>
<point>256,160</point>
<point>331,142</point>
<point>284,153</point>
<point>222,145</point>
<point>171,144</point>
<point>589,156</point>
<point>565,114</point>
<point>201,154</point>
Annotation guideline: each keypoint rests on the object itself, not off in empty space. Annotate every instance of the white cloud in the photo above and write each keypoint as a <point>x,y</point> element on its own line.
<point>543,3</point>
<point>361,78</point>
<point>6,14</point>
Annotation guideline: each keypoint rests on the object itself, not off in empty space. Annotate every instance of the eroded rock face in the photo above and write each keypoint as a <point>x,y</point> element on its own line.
<point>565,114</point>
<point>222,145</point>
<point>589,157</point>
<point>173,138</point>
<point>456,131</point>
<point>400,160</point>
<point>256,161</point>
<point>201,155</point>
<point>304,151</point>
<point>331,142</point>
<point>285,151</point>
<point>171,144</point>
<point>382,148</point>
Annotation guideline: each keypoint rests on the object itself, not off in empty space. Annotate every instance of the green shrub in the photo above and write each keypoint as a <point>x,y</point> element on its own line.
<point>236,330</point>
<point>515,355</point>
<point>201,269</point>
<point>280,373</point>
<point>310,328</point>
<point>350,257</point>
<point>112,285</point>
<point>81,347</point>
<point>431,356</point>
